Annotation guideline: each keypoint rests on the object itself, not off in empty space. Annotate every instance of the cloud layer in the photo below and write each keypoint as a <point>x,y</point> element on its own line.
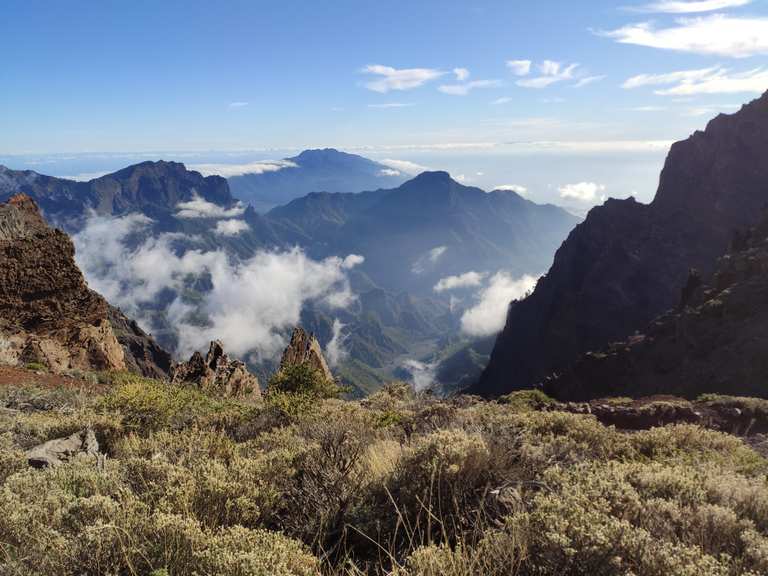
<point>249,304</point>
<point>389,78</point>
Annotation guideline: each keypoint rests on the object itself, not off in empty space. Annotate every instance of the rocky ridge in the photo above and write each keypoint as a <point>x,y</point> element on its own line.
<point>48,315</point>
<point>305,349</point>
<point>217,374</point>
<point>627,262</point>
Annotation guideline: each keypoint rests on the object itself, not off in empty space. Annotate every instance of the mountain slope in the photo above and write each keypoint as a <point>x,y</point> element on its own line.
<point>627,262</point>
<point>714,342</point>
<point>326,170</point>
<point>428,228</point>
<point>47,313</point>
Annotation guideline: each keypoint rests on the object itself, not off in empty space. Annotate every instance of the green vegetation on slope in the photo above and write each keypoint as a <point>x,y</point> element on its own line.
<point>393,484</point>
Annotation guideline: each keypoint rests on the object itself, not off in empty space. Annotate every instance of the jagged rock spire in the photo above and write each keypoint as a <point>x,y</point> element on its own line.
<point>305,349</point>
<point>217,373</point>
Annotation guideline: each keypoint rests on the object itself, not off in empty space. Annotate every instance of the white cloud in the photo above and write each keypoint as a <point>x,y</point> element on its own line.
<point>428,260</point>
<point>581,191</point>
<point>519,189</point>
<point>228,170</point>
<point>502,100</point>
<point>251,302</point>
<point>405,166</point>
<point>389,172</point>
<point>691,6</point>
<point>398,79</point>
<point>335,352</point>
<point>85,176</point>
<point>231,227</point>
<point>718,34</point>
<point>467,87</point>
<point>387,105</point>
<point>489,314</point>
<point>466,280</point>
<point>714,80</point>
<point>351,261</point>
<point>238,104</point>
<point>587,80</point>
<point>200,208</point>
<point>422,374</point>
<point>519,67</point>
<point>461,74</point>
<point>551,72</point>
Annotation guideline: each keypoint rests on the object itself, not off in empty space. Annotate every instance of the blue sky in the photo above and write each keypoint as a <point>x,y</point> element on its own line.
<point>550,96</point>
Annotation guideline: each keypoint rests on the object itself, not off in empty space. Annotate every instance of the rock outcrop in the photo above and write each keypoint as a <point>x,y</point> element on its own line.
<point>47,313</point>
<point>305,349</point>
<point>628,262</point>
<point>60,450</point>
<point>217,374</point>
<point>715,343</point>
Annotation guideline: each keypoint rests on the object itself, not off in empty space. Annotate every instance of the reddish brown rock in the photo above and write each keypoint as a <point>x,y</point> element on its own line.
<point>48,314</point>
<point>217,374</point>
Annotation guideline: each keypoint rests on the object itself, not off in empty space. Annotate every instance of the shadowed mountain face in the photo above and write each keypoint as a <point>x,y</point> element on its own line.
<point>627,262</point>
<point>325,170</point>
<point>714,342</point>
<point>426,229</point>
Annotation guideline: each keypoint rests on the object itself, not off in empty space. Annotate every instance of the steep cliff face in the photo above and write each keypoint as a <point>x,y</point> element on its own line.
<point>47,313</point>
<point>627,262</point>
<point>714,342</point>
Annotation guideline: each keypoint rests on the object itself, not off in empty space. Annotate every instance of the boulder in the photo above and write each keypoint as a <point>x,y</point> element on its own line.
<point>56,452</point>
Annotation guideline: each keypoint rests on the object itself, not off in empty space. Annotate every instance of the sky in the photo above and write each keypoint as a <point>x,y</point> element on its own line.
<point>567,102</point>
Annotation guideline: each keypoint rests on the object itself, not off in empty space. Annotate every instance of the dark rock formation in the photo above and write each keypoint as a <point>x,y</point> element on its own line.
<point>143,355</point>
<point>60,450</point>
<point>47,313</point>
<point>217,374</point>
<point>305,349</point>
<point>715,344</point>
<point>628,262</point>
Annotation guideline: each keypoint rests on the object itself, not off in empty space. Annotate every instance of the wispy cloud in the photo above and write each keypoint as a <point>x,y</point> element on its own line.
<point>517,188</point>
<point>502,100</point>
<point>461,74</point>
<point>718,34</point>
<point>466,280</point>
<point>404,166</point>
<point>581,191</point>
<point>550,72</point>
<point>467,87</point>
<point>690,6</point>
<point>227,170</point>
<point>386,105</point>
<point>389,78</point>
<point>199,207</point>
<point>587,80</point>
<point>714,80</point>
<point>519,67</point>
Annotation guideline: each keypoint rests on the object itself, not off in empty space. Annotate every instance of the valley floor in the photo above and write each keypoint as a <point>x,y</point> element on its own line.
<point>397,483</point>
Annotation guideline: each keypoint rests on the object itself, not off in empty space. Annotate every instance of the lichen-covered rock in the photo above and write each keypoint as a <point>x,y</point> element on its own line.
<point>217,374</point>
<point>305,349</point>
<point>60,450</point>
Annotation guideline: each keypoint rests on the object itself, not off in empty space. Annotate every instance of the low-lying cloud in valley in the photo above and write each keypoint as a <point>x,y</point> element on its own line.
<point>488,315</point>
<point>249,304</point>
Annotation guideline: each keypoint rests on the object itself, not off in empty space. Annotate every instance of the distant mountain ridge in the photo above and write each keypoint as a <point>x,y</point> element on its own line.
<point>411,236</point>
<point>627,262</point>
<point>428,228</point>
<point>318,170</point>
